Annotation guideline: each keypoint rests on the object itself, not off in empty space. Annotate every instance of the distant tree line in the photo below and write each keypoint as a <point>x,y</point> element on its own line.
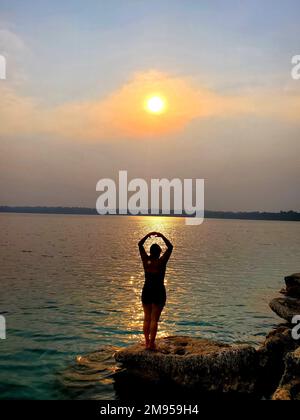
<point>256,215</point>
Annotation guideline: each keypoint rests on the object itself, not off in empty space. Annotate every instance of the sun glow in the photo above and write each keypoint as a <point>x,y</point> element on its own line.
<point>156,105</point>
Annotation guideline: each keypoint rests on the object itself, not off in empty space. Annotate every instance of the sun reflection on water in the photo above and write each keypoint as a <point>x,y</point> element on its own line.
<point>168,226</point>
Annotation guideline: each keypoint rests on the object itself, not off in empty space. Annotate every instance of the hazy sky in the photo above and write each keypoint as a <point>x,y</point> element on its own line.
<point>71,109</point>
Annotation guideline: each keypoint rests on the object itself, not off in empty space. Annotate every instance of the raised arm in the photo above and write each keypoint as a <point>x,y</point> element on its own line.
<point>166,240</point>
<point>142,241</point>
<point>141,245</point>
<point>170,247</point>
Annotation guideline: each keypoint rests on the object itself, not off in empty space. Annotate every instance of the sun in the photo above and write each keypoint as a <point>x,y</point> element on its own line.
<point>156,105</point>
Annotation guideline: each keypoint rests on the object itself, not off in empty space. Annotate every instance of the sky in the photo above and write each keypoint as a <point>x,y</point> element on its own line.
<point>78,74</point>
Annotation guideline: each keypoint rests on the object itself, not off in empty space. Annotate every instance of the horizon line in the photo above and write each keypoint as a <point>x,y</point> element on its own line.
<point>290,215</point>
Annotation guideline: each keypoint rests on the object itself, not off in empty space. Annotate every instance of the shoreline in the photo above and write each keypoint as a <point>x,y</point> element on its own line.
<point>290,216</point>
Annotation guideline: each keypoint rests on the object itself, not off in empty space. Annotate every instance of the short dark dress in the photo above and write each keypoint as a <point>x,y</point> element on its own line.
<point>154,290</point>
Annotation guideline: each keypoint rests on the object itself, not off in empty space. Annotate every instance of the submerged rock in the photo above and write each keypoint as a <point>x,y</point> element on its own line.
<point>289,387</point>
<point>286,307</point>
<point>194,363</point>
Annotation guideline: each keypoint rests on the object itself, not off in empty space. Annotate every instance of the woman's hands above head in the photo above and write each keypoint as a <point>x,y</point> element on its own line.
<point>160,235</point>
<point>156,234</point>
<point>142,241</point>
<point>153,234</point>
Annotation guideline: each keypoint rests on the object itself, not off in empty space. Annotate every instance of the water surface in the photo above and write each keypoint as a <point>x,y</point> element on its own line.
<point>70,292</point>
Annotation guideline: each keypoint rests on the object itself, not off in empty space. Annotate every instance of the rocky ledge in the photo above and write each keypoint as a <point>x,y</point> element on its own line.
<point>206,367</point>
<point>292,285</point>
<point>288,306</point>
<point>194,363</point>
<point>289,387</point>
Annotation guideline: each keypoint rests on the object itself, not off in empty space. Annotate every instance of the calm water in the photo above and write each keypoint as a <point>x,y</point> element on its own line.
<point>70,292</point>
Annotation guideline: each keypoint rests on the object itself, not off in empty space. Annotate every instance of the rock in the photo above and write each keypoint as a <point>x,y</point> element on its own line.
<point>289,387</point>
<point>293,285</point>
<point>279,341</point>
<point>286,307</point>
<point>192,363</point>
<point>277,345</point>
<point>283,291</point>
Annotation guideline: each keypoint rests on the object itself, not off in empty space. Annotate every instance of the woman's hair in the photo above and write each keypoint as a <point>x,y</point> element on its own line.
<point>155,251</point>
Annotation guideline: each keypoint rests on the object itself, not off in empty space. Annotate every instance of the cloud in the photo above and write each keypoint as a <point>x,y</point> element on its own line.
<point>18,114</point>
<point>122,114</point>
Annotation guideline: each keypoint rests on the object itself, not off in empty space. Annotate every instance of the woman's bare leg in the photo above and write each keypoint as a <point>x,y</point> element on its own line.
<point>147,323</point>
<point>155,316</point>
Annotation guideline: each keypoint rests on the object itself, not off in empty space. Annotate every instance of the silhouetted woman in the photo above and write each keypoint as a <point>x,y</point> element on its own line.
<point>154,292</point>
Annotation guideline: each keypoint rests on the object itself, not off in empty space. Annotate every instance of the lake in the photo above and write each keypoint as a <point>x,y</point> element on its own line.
<point>70,293</point>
